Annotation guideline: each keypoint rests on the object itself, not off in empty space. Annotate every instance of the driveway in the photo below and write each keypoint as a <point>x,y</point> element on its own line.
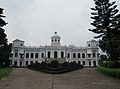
<point>88,78</point>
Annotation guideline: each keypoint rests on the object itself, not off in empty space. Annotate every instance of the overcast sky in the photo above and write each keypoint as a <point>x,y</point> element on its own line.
<point>35,21</point>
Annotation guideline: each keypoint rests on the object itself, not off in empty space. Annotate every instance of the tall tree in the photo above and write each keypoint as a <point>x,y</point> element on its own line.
<point>106,21</point>
<point>5,49</point>
<point>105,47</point>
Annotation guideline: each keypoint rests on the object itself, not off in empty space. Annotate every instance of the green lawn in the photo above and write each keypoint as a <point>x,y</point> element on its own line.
<point>5,72</point>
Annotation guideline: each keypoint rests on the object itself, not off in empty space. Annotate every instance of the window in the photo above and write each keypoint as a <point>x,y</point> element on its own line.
<point>58,40</point>
<point>55,40</point>
<point>94,63</point>
<point>89,55</point>
<point>15,63</point>
<point>88,45</point>
<point>98,55</point>
<point>55,54</point>
<point>74,55</point>
<point>62,54</point>
<point>78,55</point>
<point>83,55</point>
<point>79,62</point>
<point>42,55</point>
<point>36,61</point>
<point>89,63</point>
<point>36,55</point>
<point>20,44</point>
<point>26,63</point>
<point>20,63</point>
<point>83,62</point>
<point>68,55</point>
<point>52,40</point>
<point>16,54</point>
<point>21,55</point>
<point>48,54</point>
<point>31,62</point>
<point>94,55</point>
<point>27,55</point>
<point>74,61</point>
<point>32,55</point>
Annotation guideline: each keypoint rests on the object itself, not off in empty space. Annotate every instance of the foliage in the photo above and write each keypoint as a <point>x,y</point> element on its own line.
<point>55,67</point>
<point>110,64</point>
<point>105,47</point>
<point>54,63</point>
<point>43,64</point>
<point>5,72</point>
<point>5,49</point>
<point>65,64</point>
<point>106,22</point>
<point>108,71</point>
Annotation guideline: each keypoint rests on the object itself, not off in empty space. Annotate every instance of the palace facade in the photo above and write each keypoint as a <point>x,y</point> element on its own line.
<point>26,55</point>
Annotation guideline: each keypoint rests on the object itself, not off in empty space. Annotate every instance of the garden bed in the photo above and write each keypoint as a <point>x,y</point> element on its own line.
<point>55,68</point>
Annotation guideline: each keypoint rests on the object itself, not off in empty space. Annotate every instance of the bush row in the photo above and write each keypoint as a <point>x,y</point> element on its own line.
<point>108,71</point>
<point>55,67</point>
<point>110,64</point>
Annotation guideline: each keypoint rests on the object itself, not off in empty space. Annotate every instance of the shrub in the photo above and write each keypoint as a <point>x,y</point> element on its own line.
<point>110,64</point>
<point>54,63</point>
<point>108,71</point>
<point>65,64</point>
<point>55,67</point>
<point>43,64</point>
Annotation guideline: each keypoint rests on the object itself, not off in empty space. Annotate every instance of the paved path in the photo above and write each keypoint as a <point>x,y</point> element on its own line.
<point>22,78</point>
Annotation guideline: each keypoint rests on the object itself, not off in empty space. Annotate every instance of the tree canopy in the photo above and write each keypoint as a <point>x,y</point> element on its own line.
<point>106,22</point>
<point>5,49</point>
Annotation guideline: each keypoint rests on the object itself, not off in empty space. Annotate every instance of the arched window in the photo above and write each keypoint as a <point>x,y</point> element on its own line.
<point>32,55</point>
<point>62,54</point>
<point>48,54</point>
<point>55,54</point>
<point>27,55</point>
<point>74,55</point>
<point>42,55</point>
<point>36,55</point>
<point>83,55</point>
<point>68,55</point>
<point>78,55</point>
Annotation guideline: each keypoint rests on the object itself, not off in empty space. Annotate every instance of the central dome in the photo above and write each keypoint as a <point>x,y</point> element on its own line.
<point>55,39</point>
<point>55,35</point>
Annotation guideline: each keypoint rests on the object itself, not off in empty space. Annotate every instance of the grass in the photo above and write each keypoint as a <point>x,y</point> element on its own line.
<point>5,72</point>
<point>109,71</point>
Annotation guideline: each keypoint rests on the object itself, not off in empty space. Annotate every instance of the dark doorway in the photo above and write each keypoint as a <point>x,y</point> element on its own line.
<point>94,63</point>
<point>15,63</point>
<point>55,54</point>
<point>89,63</point>
<point>20,63</point>
<point>79,62</point>
<point>48,54</point>
<point>62,54</point>
<point>26,63</point>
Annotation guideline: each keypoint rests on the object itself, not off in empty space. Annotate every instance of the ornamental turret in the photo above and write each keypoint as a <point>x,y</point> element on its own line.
<point>55,40</point>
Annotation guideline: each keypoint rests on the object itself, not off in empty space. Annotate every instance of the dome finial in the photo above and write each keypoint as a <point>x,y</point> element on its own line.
<point>55,32</point>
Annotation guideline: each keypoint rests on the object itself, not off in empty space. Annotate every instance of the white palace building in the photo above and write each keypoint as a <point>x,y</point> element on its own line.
<point>26,55</point>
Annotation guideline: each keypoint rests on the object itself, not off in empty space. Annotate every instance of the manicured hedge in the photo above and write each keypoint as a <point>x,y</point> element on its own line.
<point>54,67</point>
<point>108,71</point>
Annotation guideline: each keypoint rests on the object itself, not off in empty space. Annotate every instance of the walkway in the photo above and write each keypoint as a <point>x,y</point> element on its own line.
<point>22,78</point>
